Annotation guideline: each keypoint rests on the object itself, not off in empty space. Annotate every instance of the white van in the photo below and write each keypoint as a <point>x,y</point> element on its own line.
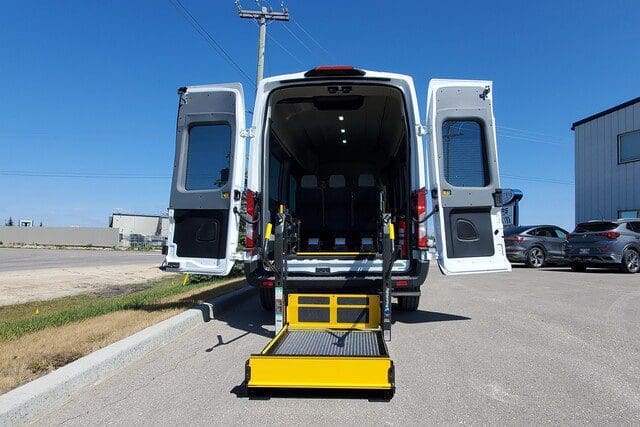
<point>337,147</point>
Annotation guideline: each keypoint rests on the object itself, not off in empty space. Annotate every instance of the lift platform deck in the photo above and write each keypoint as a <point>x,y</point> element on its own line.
<point>329,342</point>
<point>325,341</point>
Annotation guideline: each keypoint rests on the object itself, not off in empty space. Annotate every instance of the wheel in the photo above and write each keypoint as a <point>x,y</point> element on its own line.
<point>535,257</point>
<point>267,297</point>
<point>578,267</point>
<point>630,261</point>
<point>408,303</point>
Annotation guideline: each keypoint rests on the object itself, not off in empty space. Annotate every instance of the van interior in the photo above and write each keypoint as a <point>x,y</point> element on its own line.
<point>338,157</point>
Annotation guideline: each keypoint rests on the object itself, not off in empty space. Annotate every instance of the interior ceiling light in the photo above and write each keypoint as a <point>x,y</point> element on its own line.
<point>344,141</point>
<point>342,131</point>
<point>341,118</point>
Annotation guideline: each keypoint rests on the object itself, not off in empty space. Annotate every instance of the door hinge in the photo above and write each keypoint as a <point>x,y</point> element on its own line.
<point>239,256</point>
<point>421,130</point>
<point>248,133</point>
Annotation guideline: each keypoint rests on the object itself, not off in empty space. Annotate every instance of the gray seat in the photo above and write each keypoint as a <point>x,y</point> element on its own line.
<point>310,205</point>
<point>366,204</point>
<point>338,206</point>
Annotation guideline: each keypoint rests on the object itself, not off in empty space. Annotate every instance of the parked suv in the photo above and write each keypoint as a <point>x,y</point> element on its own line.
<point>535,245</point>
<point>605,243</point>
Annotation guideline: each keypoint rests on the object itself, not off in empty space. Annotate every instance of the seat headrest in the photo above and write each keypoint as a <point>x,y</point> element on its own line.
<point>366,180</point>
<point>309,181</point>
<point>337,181</point>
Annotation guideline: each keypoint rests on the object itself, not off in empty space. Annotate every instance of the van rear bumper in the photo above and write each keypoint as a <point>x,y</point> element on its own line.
<point>408,282</point>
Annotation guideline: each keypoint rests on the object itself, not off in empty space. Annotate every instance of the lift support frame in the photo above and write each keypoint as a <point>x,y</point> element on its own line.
<point>326,341</point>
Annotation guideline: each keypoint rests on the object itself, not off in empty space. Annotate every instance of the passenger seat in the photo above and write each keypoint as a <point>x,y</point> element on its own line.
<point>366,204</point>
<point>338,210</point>
<point>310,209</point>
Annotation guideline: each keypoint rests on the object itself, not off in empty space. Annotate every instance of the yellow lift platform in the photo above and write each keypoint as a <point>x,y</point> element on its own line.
<point>326,341</point>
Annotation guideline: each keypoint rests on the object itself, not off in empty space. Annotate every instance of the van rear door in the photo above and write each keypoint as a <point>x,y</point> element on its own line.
<point>208,180</point>
<point>463,175</point>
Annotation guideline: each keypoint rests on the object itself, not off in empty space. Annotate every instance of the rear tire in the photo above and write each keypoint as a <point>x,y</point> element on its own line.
<point>580,268</point>
<point>535,257</point>
<point>408,303</point>
<point>267,298</point>
<point>630,261</point>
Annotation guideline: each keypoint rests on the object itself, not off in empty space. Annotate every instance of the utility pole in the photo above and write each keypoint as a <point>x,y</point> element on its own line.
<point>262,16</point>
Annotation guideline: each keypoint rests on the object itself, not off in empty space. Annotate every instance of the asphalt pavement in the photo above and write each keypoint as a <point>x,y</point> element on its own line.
<point>548,346</point>
<point>20,259</point>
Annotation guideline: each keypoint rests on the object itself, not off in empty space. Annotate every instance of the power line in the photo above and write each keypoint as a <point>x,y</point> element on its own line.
<point>530,132</point>
<point>273,39</point>
<point>298,39</point>
<point>536,179</point>
<point>210,39</point>
<point>538,141</point>
<point>313,39</point>
<point>87,175</point>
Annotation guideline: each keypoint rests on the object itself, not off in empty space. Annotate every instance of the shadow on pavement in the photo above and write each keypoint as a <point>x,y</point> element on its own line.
<point>371,395</point>
<point>421,316</point>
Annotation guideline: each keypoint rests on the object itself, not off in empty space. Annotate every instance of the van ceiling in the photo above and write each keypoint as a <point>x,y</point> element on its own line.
<point>306,121</point>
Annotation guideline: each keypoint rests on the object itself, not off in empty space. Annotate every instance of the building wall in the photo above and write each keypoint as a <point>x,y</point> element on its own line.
<point>63,236</point>
<point>604,187</point>
<point>145,225</point>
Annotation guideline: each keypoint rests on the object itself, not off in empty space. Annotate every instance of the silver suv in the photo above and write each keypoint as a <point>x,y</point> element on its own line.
<point>605,243</point>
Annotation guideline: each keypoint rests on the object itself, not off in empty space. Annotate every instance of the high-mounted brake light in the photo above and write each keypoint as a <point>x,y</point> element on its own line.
<point>334,71</point>
<point>420,200</point>
<point>609,234</point>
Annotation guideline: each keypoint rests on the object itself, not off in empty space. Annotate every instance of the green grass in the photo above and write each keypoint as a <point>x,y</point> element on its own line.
<point>18,320</point>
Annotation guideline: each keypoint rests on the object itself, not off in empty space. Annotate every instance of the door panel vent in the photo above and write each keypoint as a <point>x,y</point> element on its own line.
<point>466,231</point>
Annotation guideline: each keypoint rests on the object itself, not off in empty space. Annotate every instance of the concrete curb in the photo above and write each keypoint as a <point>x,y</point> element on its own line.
<point>23,403</point>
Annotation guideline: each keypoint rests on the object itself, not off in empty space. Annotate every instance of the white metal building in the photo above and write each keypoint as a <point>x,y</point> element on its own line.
<point>140,230</point>
<point>607,163</point>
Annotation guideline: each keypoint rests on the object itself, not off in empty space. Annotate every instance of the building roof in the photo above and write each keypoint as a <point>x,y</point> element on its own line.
<point>143,215</point>
<point>605,112</point>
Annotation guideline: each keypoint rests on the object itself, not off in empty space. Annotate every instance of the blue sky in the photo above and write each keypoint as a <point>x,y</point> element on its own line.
<point>89,87</point>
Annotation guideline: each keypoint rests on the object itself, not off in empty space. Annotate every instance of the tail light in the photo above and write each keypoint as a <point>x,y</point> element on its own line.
<point>250,207</point>
<point>420,205</point>
<point>402,237</point>
<point>402,283</point>
<point>609,234</point>
<point>518,239</point>
<point>268,283</point>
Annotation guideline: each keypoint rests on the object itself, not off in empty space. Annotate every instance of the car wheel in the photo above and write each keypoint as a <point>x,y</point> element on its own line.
<point>535,257</point>
<point>578,267</point>
<point>267,298</point>
<point>630,261</point>
<point>408,303</point>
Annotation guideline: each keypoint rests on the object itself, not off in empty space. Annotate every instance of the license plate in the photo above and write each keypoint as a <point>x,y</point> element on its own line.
<point>584,250</point>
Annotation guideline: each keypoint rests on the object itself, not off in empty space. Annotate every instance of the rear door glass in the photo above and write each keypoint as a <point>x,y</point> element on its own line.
<point>595,226</point>
<point>464,153</point>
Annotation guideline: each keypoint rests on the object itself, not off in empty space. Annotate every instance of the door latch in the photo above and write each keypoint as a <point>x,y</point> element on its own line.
<point>421,130</point>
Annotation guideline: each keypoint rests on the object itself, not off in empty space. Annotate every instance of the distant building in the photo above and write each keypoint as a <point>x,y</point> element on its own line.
<point>140,230</point>
<point>607,163</point>
<point>25,223</point>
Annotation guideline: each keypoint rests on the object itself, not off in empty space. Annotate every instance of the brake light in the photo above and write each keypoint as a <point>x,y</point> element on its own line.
<point>334,70</point>
<point>609,234</point>
<point>250,206</point>
<point>402,239</point>
<point>518,239</point>
<point>402,283</point>
<point>420,200</point>
<point>269,283</point>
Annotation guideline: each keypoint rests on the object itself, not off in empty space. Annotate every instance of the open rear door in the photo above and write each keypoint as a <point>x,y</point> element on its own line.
<point>208,179</point>
<point>463,175</point>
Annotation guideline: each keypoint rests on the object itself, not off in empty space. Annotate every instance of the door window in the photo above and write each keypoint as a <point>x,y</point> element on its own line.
<point>560,233</point>
<point>208,153</point>
<point>464,153</point>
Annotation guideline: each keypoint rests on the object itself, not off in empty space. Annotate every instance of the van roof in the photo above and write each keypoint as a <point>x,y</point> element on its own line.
<point>368,74</point>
